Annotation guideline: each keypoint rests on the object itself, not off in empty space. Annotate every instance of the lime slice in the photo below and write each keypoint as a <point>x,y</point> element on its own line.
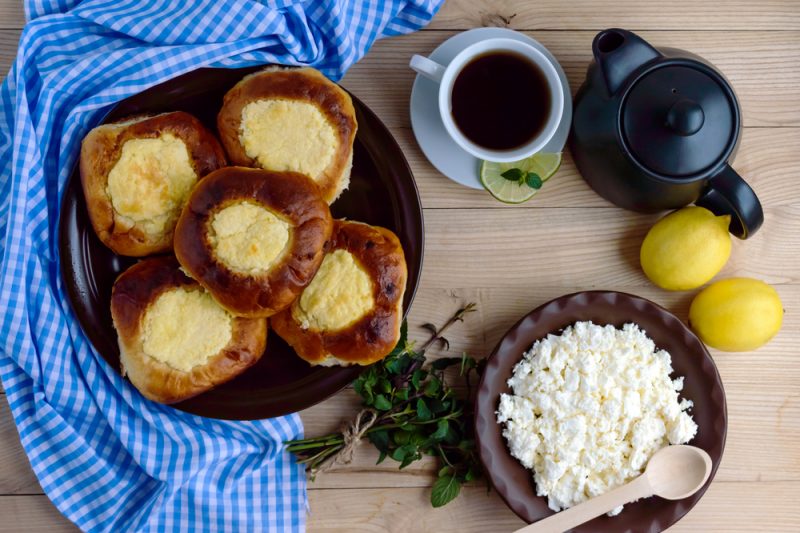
<point>512,192</point>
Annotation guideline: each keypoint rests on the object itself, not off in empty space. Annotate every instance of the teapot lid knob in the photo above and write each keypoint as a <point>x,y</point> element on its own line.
<point>685,117</point>
<point>679,118</point>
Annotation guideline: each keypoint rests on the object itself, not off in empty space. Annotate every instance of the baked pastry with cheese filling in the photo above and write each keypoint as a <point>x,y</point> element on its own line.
<point>175,341</point>
<point>291,119</point>
<point>351,311</point>
<point>137,174</point>
<point>253,238</point>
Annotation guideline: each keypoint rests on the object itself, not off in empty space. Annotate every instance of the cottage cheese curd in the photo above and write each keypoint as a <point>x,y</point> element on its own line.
<point>589,409</point>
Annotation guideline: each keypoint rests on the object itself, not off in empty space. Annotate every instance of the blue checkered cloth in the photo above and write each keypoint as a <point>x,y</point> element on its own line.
<point>108,458</point>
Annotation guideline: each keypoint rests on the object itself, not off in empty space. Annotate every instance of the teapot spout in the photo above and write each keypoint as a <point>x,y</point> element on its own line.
<point>618,53</point>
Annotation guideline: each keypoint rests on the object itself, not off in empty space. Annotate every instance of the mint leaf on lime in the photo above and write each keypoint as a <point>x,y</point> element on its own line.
<point>513,174</point>
<point>533,180</point>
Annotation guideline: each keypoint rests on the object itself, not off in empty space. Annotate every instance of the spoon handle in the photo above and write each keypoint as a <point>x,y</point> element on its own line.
<point>577,515</point>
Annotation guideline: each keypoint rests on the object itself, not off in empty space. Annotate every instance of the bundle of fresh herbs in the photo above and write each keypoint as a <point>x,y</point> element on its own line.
<point>409,410</point>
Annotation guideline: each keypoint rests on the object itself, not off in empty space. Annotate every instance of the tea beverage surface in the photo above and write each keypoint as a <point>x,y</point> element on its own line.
<point>500,100</point>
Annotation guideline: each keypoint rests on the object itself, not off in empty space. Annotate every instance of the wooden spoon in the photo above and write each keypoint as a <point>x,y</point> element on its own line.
<point>674,473</point>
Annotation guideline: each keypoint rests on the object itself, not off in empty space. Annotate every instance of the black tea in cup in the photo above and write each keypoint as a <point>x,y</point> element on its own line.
<point>500,100</point>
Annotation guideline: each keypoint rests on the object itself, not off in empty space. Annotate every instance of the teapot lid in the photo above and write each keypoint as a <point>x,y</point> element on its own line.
<point>680,119</point>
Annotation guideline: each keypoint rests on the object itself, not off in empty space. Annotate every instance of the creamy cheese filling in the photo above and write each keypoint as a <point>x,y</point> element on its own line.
<point>248,238</point>
<point>151,181</point>
<point>184,328</point>
<point>339,294</point>
<point>288,135</point>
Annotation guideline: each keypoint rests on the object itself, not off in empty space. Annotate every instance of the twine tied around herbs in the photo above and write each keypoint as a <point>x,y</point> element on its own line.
<point>352,434</point>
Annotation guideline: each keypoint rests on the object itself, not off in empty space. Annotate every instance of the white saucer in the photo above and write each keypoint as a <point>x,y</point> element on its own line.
<point>436,144</point>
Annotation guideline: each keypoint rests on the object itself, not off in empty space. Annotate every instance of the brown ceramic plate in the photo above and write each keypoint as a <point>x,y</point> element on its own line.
<point>689,358</point>
<point>382,192</point>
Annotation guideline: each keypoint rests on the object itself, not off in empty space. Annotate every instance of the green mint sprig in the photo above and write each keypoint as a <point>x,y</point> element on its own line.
<point>414,412</point>
<point>531,179</point>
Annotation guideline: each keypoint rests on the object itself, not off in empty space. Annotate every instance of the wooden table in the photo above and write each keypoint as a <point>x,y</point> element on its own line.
<point>511,259</point>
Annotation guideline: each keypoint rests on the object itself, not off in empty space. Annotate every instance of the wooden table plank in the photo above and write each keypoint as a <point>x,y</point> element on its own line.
<point>741,15</point>
<point>500,307</point>
<point>8,48</point>
<point>32,514</point>
<point>12,14</point>
<point>725,508</point>
<point>16,475</point>
<point>759,420</point>
<point>762,66</point>
<point>767,159</point>
<point>579,247</point>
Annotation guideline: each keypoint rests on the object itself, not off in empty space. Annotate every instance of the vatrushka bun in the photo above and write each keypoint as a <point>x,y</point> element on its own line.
<point>253,238</point>
<point>351,311</point>
<point>291,119</point>
<point>175,341</point>
<point>137,174</point>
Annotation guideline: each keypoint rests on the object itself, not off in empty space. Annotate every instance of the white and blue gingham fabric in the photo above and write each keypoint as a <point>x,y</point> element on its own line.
<point>108,458</point>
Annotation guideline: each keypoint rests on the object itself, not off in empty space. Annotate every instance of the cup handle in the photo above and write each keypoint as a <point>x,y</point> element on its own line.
<point>430,69</point>
<point>729,194</point>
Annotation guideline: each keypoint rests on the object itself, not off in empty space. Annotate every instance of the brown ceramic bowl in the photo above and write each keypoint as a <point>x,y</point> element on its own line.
<point>689,358</point>
<point>382,192</point>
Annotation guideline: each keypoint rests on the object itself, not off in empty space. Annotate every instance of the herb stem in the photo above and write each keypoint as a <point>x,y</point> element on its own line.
<point>449,416</point>
<point>317,440</point>
<point>334,440</point>
<point>443,455</point>
<point>458,317</point>
<point>318,457</point>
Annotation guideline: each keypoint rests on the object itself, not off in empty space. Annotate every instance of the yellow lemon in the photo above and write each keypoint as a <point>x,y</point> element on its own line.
<point>737,314</point>
<point>686,248</point>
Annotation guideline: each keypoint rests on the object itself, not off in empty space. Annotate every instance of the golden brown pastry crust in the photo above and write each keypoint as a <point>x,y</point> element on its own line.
<point>295,198</point>
<point>134,291</point>
<point>100,151</point>
<point>370,339</point>
<point>305,84</point>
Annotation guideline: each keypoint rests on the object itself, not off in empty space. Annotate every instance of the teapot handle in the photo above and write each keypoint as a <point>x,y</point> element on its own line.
<point>729,194</point>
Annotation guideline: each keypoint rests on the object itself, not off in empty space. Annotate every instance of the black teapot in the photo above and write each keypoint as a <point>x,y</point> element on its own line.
<point>654,129</point>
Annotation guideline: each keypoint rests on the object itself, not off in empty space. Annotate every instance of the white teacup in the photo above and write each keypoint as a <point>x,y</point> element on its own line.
<point>445,76</point>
